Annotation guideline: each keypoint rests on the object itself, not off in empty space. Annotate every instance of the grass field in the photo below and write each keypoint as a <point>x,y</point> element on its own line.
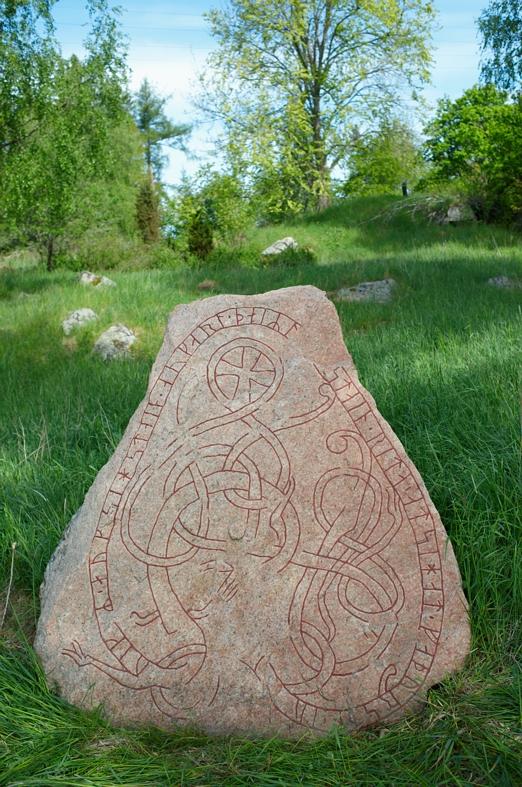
<point>442,362</point>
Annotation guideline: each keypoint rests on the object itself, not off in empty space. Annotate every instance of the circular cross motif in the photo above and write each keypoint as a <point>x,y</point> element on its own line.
<point>208,546</point>
<point>243,372</point>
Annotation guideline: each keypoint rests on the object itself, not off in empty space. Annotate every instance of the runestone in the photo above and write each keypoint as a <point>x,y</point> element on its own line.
<point>259,556</point>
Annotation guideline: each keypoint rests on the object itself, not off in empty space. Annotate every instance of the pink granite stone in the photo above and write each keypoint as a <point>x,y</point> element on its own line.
<point>259,555</point>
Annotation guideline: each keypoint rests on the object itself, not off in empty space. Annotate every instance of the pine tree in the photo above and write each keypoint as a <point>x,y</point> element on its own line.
<point>156,130</point>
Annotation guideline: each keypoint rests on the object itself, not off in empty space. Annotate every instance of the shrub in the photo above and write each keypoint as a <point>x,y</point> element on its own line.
<point>200,238</point>
<point>291,258</point>
<point>381,162</point>
<point>147,211</point>
<point>244,257</point>
<point>214,199</point>
<point>99,250</point>
<point>162,255</point>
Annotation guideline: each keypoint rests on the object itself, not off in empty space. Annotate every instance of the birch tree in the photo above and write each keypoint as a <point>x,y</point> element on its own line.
<point>290,79</point>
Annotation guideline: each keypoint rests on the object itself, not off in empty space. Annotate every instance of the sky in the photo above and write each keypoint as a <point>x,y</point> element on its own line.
<point>169,41</point>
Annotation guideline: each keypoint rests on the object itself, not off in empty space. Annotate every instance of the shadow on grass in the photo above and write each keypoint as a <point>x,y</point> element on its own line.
<point>62,413</point>
<point>378,224</point>
<point>451,294</point>
<point>24,282</point>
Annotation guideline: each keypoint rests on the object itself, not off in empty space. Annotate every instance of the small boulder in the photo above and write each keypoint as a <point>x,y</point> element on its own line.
<point>280,246</point>
<point>504,282</point>
<point>371,291</point>
<point>77,319</point>
<point>457,214</point>
<point>115,342</point>
<point>95,280</point>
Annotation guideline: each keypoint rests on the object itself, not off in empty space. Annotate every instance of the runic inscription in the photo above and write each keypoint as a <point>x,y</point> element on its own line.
<point>263,555</point>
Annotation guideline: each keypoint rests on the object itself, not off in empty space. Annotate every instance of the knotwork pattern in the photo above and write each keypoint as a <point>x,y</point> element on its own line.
<point>236,565</point>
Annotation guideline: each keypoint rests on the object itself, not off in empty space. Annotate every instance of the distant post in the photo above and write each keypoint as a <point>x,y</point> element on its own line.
<point>405,189</point>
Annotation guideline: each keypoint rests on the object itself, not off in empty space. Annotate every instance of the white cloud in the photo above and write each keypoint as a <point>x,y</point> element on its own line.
<point>172,71</point>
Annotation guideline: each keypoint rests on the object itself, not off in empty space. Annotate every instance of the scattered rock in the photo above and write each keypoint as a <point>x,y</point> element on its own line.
<point>259,555</point>
<point>95,280</point>
<point>77,319</point>
<point>457,214</point>
<point>115,342</point>
<point>374,291</point>
<point>505,282</point>
<point>280,246</point>
<point>207,285</point>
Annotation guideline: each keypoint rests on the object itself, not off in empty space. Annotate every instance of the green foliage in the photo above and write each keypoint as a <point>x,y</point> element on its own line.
<point>107,203</point>
<point>155,127</point>
<point>382,161</point>
<point>505,171</point>
<point>290,80</point>
<point>27,55</point>
<point>200,238</point>
<point>224,258</point>
<point>459,137</point>
<point>276,184</point>
<point>147,211</point>
<point>476,140</point>
<point>161,255</point>
<point>500,27</point>
<point>210,204</point>
<point>81,153</point>
<point>104,248</point>
<point>231,210</point>
<point>291,258</point>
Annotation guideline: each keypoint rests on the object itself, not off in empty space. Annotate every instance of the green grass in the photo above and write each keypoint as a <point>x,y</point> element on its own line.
<point>441,362</point>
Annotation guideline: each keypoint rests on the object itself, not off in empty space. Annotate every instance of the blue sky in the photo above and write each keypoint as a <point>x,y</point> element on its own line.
<point>169,41</point>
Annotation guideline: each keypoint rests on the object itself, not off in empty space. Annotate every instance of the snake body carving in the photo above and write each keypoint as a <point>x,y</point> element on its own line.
<point>214,532</point>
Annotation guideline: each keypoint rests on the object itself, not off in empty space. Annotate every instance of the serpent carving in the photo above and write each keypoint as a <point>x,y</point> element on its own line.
<point>229,526</point>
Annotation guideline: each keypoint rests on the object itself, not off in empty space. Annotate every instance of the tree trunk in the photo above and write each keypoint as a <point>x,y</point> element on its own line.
<point>324,201</point>
<point>321,185</point>
<point>50,253</point>
<point>321,174</point>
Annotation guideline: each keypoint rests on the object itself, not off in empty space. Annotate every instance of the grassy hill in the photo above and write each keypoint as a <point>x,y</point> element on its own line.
<point>442,361</point>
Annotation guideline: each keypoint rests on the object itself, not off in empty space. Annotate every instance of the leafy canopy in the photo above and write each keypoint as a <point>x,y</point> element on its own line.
<point>291,78</point>
<point>459,137</point>
<point>382,161</point>
<point>27,56</point>
<point>500,26</point>
<point>475,142</point>
<point>66,145</point>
